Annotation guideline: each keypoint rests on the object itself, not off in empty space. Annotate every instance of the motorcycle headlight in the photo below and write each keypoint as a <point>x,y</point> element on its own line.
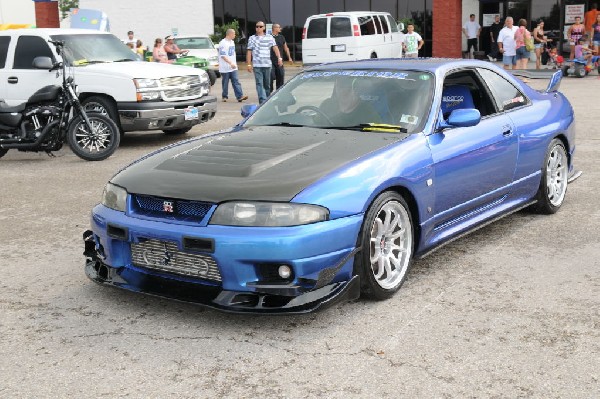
<point>267,214</point>
<point>114,197</point>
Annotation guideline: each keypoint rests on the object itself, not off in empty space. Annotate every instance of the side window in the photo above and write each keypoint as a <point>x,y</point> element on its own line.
<point>393,24</point>
<point>378,24</point>
<point>505,94</point>
<point>317,29</point>
<point>4,42</point>
<point>367,25</point>
<point>340,27</point>
<point>384,24</point>
<point>29,47</point>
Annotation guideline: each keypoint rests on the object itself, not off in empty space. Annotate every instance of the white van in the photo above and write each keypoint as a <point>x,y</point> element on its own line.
<point>349,36</point>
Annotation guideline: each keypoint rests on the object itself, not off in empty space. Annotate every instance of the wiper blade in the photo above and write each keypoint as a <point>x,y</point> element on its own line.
<point>123,60</point>
<point>373,127</point>
<point>285,124</point>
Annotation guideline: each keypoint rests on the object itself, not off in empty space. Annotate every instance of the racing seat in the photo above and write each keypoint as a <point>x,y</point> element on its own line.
<point>456,97</point>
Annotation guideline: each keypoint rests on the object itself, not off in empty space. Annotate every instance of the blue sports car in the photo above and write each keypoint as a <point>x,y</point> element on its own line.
<point>333,186</point>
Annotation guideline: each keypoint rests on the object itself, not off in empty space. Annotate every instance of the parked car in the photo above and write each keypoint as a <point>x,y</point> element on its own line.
<point>136,95</point>
<point>333,186</point>
<point>348,36</point>
<point>203,47</point>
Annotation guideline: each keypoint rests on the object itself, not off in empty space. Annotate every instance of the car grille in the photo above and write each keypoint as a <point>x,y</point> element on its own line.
<point>164,256</point>
<point>181,87</point>
<point>180,209</point>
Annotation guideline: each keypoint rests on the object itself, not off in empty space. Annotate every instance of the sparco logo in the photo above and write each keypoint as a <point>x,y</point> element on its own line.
<point>453,99</point>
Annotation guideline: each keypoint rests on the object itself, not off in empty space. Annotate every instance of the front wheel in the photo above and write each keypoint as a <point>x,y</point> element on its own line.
<point>553,185</point>
<point>97,144</point>
<point>386,239</point>
<point>3,152</point>
<point>212,76</point>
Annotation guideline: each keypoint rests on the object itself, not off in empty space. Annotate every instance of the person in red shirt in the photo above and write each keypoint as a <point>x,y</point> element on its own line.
<point>589,19</point>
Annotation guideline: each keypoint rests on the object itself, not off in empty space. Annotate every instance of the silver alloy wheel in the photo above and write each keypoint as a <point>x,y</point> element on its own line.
<point>556,175</point>
<point>390,245</point>
<point>93,106</point>
<point>95,141</point>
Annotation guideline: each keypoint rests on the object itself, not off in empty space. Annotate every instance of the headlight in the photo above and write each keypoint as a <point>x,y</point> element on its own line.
<point>213,60</point>
<point>264,214</point>
<point>147,89</point>
<point>114,197</point>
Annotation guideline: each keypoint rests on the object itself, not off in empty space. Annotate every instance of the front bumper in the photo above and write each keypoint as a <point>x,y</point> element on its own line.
<point>162,115</point>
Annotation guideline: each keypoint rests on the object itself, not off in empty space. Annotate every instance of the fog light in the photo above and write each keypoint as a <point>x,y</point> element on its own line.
<point>284,271</point>
<point>153,125</point>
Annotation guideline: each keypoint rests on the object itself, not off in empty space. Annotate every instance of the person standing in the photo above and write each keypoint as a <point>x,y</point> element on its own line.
<point>412,42</point>
<point>574,33</point>
<point>228,67</point>
<point>471,29</point>
<point>130,39</point>
<point>521,35</point>
<point>540,41</point>
<point>589,19</point>
<point>507,45</point>
<point>495,29</point>
<point>277,71</point>
<point>258,59</point>
<point>596,34</point>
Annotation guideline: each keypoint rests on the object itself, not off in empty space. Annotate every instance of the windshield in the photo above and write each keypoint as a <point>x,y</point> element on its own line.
<point>194,43</point>
<point>374,100</point>
<point>94,48</point>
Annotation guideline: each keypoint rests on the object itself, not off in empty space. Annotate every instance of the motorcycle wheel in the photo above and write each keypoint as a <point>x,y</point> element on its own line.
<point>96,145</point>
<point>3,152</point>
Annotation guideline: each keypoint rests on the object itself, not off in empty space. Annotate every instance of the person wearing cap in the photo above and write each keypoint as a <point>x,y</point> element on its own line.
<point>258,60</point>
<point>172,49</point>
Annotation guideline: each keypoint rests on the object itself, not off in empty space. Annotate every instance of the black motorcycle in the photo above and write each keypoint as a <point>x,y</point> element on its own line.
<point>54,114</point>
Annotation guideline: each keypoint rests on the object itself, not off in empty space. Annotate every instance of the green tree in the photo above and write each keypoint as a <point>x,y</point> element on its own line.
<point>221,30</point>
<point>65,7</point>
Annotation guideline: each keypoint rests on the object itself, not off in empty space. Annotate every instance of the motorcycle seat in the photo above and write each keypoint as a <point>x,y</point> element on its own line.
<point>6,109</point>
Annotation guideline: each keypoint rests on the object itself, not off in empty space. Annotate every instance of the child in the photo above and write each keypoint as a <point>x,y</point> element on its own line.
<point>582,51</point>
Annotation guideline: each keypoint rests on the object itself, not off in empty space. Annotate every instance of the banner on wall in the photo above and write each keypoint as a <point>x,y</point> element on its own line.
<point>488,19</point>
<point>572,11</point>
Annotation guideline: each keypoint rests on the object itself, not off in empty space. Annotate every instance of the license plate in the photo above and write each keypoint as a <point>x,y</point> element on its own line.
<point>191,113</point>
<point>338,48</point>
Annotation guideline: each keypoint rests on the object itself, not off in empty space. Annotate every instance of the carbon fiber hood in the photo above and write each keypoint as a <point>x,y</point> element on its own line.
<point>255,163</point>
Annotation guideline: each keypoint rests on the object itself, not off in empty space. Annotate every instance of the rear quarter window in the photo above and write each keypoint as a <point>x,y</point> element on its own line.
<point>4,42</point>
<point>367,25</point>
<point>340,27</point>
<point>505,94</point>
<point>317,29</point>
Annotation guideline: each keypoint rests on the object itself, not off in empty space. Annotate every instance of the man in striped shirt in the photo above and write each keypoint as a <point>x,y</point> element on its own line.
<point>258,58</point>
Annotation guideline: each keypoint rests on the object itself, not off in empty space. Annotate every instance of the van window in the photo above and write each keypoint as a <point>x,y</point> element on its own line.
<point>340,27</point>
<point>4,42</point>
<point>378,24</point>
<point>367,25</point>
<point>317,29</point>
<point>29,47</point>
<point>384,24</point>
<point>393,23</point>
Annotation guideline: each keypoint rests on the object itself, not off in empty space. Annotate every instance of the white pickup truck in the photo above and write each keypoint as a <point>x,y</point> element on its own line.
<point>137,95</point>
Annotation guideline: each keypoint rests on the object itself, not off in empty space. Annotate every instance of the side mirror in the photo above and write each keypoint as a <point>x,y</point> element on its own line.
<point>464,117</point>
<point>42,63</point>
<point>248,109</point>
<point>401,26</point>
<point>554,83</point>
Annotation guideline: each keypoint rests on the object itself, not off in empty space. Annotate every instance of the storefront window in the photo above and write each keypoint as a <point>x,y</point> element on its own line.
<point>218,10</point>
<point>258,10</point>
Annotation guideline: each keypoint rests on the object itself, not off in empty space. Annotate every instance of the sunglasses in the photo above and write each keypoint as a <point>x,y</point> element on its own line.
<point>260,26</point>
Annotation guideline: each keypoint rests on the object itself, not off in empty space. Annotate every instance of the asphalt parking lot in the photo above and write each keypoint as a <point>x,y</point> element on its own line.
<point>511,310</point>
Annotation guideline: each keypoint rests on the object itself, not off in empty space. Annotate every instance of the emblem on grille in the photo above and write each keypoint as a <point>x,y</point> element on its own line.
<point>168,206</point>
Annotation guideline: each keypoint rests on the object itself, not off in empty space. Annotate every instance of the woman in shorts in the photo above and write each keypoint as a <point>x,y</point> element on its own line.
<point>520,35</point>
<point>540,43</point>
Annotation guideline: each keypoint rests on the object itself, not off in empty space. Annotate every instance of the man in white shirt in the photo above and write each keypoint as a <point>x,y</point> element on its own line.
<point>507,45</point>
<point>130,39</point>
<point>412,42</point>
<point>471,29</point>
<point>228,67</point>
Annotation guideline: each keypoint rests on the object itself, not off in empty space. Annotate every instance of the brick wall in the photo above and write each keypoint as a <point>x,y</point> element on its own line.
<point>447,28</point>
<point>46,14</point>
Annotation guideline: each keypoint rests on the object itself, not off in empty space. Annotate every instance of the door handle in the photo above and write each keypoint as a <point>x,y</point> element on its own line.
<point>507,130</point>
<point>13,80</point>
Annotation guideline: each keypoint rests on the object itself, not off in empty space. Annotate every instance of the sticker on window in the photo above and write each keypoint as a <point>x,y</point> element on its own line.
<point>410,119</point>
<point>512,101</point>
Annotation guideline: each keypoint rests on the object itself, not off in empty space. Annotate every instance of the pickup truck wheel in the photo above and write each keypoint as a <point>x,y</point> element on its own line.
<point>101,105</point>
<point>212,76</point>
<point>183,130</point>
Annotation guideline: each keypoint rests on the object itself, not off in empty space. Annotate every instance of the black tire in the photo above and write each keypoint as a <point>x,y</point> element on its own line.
<point>373,55</point>
<point>97,145</point>
<point>102,105</point>
<point>379,277</point>
<point>212,76</point>
<point>565,70</point>
<point>183,130</point>
<point>579,71</point>
<point>553,184</point>
<point>3,152</point>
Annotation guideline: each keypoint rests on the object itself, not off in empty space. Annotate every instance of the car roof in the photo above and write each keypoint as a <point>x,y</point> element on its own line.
<point>432,65</point>
<point>348,13</point>
<point>192,36</point>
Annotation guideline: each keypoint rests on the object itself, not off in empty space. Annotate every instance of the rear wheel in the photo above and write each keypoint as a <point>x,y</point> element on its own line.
<point>97,144</point>
<point>387,246</point>
<point>3,152</point>
<point>183,130</point>
<point>579,71</point>
<point>553,185</point>
<point>373,55</point>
